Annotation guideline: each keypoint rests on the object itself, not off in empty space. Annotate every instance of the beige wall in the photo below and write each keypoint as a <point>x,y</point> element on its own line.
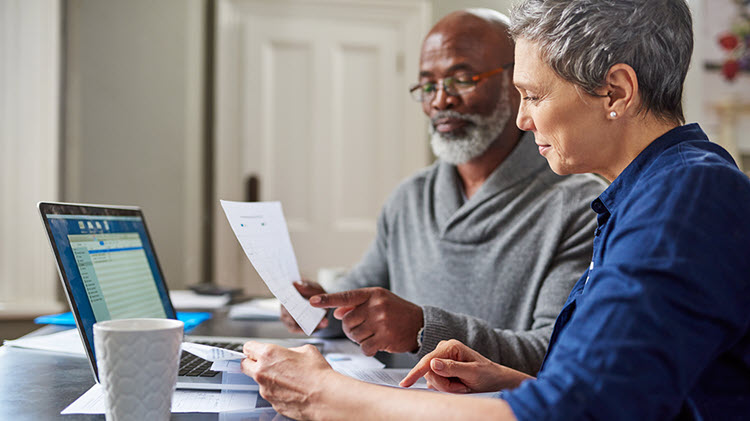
<point>134,118</point>
<point>441,8</point>
<point>30,62</point>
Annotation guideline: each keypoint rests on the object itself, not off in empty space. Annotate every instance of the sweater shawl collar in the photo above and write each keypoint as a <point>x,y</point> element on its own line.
<point>451,210</point>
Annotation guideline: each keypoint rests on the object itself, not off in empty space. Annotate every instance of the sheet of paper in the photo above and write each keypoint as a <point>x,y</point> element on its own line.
<point>353,361</point>
<point>257,414</point>
<point>92,402</point>
<point>227,366</point>
<point>66,342</point>
<point>337,360</point>
<point>211,353</point>
<point>261,230</point>
<point>186,299</point>
<point>383,376</point>
<point>342,346</point>
<point>339,353</point>
<point>256,309</point>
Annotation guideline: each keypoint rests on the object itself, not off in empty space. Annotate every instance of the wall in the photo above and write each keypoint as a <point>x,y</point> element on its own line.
<point>30,36</point>
<point>717,19</point>
<point>441,8</point>
<point>134,118</point>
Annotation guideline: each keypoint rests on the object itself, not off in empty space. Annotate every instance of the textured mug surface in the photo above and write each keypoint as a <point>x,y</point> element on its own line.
<point>138,361</point>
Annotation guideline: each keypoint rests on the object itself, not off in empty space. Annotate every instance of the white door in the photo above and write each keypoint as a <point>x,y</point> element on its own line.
<point>312,104</point>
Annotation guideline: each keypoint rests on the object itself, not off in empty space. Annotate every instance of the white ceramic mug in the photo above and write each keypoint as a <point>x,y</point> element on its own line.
<point>138,361</point>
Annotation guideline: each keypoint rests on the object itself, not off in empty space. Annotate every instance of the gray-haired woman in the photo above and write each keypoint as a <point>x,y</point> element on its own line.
<point>658,327</point>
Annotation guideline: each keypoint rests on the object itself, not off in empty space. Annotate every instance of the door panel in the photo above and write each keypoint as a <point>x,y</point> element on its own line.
<point>313,100</point>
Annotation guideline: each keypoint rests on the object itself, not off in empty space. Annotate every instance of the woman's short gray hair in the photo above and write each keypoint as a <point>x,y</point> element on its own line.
<point>582,39</point>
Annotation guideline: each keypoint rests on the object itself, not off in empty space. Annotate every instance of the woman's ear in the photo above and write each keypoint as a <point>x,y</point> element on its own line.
<point>622,89</point>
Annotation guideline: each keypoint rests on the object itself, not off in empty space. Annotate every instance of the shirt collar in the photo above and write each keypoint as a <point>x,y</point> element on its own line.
<point>624,183</point>
<point>522,162</point>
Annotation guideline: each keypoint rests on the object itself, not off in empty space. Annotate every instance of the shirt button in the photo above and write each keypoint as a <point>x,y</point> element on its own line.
<point>597,206</point>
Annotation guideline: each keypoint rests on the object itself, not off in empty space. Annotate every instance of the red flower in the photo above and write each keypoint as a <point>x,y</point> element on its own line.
<point>729,41</point>
<point>730,69</point>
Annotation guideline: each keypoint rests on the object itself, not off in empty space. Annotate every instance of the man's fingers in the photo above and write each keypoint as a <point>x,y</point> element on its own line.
<point>369,346</point>
<point>341,312</point>
<point>351,298</point>
<point>292,326</point>
<point>289,321</point>
<point>307,289</point>
<point>355,317</point>
<point>359,334</point>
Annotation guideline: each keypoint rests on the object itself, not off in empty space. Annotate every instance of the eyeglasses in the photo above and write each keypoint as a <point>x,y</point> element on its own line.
<point>453,86</point>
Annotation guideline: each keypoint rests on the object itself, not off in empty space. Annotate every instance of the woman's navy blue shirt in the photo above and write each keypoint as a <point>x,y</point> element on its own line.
<point>658,327</point>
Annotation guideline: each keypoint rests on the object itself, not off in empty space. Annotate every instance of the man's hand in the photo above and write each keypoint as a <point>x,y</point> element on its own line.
<point>454,367</point>
<point>307,289</point>
<point>375,318</point>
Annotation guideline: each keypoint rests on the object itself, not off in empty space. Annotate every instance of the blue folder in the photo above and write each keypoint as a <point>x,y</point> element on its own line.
<point>191,319</point>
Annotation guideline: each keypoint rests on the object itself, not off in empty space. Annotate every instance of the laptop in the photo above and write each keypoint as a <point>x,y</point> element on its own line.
<point>108,266</point>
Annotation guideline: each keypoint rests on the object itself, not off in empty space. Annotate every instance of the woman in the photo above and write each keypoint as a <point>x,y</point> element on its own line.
<point>658,327</point>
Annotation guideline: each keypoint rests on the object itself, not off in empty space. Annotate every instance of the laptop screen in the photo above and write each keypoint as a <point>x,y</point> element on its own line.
<point>107,262</point>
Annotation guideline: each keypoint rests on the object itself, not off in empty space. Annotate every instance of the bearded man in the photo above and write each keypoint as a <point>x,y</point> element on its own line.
<point>483,246</point>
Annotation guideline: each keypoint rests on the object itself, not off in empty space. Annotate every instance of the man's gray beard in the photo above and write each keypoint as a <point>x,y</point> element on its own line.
<point>474,139</point>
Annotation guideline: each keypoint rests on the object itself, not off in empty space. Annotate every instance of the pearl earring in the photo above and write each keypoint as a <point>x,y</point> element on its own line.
<point>613,114</point>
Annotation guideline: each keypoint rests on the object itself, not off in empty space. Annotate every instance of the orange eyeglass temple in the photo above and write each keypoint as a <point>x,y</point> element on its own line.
<point>491,72</point>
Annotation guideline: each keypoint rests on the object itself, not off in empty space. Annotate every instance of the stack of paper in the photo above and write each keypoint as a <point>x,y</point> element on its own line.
<point>346,360</point>
<point>92,402</point>
<point>355,365</point>
<point>65,342</point>
<point>257,309</point>
<point>186,299</point>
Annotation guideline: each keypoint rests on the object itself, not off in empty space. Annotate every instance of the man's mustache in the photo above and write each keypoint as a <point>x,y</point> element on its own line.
<point>446,115</point>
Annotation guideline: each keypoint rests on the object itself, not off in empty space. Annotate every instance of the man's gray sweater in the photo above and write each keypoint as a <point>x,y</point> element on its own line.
<point>493,271</point>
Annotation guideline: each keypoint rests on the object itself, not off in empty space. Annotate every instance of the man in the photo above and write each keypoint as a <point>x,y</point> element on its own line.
<point>483,246</point>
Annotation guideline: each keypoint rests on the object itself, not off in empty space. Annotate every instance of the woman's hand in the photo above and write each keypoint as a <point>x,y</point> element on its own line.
<point>292,380</point>
<point>454,367</point>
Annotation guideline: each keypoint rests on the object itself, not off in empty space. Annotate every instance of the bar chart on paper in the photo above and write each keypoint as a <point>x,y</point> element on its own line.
<point>261,229</point>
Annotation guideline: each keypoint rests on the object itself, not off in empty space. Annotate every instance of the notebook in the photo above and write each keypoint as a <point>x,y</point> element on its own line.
<point>109,270</point>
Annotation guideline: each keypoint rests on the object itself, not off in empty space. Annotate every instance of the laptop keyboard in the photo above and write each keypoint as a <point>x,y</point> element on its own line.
<point>194,366</point>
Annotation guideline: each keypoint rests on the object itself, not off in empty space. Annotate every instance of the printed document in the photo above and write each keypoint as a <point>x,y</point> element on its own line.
<point>339,362</point>
<point>261,229</point>
<point>67,342</point>
<point>211,353</point>
<point>93,401</point>
<point>384,376</point>
<point>256,309</point>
